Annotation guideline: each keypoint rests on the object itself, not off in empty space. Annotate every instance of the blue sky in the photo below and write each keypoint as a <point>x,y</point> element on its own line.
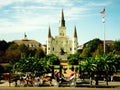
<point>35,16</point>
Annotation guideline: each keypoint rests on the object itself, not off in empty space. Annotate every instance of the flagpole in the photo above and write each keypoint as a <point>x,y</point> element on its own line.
<point>104,35</point>
<point>104,27</point>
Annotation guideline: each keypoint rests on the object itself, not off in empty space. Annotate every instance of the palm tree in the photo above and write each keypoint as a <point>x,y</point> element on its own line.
<point>107,64</point>
<point>89,66</point>
<point>73,59</point>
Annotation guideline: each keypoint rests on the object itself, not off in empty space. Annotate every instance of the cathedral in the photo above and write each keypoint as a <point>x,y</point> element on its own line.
<point>61,45</point>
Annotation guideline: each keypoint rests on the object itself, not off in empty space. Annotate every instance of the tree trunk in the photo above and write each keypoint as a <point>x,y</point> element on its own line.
<point>90,80</point>
<point>106,77</point>
<point>52,72</point>
<point>60,71</point>
<point>96,79</point>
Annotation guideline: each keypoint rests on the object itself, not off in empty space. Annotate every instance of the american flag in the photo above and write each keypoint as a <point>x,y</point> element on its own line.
<point>102,11</point>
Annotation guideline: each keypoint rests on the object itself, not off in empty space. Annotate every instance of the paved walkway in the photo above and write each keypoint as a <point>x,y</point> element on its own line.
<point>54,88</point>
<point>4,83</point>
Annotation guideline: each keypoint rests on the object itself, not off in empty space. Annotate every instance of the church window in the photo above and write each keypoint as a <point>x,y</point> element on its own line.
<point>70,49</point>
<point>53,48</point>
<point>48,48</point>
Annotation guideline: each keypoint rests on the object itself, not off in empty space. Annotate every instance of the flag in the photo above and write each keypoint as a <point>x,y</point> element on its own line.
<point>102,11</point>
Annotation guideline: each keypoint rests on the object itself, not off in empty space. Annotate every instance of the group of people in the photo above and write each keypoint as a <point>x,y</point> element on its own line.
<point>29,80</point>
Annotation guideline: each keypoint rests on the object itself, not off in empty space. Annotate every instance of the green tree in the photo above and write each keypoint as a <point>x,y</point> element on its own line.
<point>99,51</point>
<point>3,47</point>
<point>93,44</point>
<point>1,71</point>
<point>91,47</point>
<point>85,53</point>
<point>105,65</point>
<point>88,65</point>
<point>45,65</point>
<point>12,46</point>
<point>12,56</point>
<point>31,64</point>
<point>73,59</point>
<point>24,50</point>
<point>39,53</point>
<point>116,46</point>
<point>52,59</point>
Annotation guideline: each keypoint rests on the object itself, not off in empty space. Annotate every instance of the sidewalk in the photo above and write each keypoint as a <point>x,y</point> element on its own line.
<point>5,83</point>
<point>114,83</point>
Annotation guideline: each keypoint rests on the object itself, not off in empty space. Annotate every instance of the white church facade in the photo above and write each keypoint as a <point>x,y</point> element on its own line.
<point>61,45</point>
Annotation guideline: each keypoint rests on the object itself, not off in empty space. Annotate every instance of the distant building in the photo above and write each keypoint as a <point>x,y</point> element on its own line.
<point>29,43</point>
<point>109,42</point>
<point>62,45</point>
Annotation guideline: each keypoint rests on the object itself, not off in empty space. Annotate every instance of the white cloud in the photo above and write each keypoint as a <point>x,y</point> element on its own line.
<point>25,23</point>
<point>6,2</point>
<point>39,14</point>
<point>99,4</point>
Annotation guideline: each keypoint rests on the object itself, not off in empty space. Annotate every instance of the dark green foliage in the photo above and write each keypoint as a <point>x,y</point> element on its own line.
<point>1,70</point>
<point>93,44</point>
<point>52,59</point>
<point>106,65</point>
<point>73,59</point>
<point>3,45</point>
<point>7,68</point>
<point>92,48</point>
<point>31,64</point>
<point>39,54</point>
<point>86,53</point>
<point>116,45</point>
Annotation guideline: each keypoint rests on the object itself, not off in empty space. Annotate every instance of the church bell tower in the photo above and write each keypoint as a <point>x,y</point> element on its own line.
<point>62,28</point>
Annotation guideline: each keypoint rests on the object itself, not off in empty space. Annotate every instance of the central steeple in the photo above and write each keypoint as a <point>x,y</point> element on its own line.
<point>62,22</point>
<point>62,28</point>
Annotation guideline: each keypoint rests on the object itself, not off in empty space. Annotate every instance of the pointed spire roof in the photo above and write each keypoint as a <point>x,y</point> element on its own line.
<point>62,16</point>
<point>62,22</point>
<point>75,32</point>
<point>49,32</point>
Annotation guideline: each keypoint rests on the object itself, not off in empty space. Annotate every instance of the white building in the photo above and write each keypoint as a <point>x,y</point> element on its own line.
<point>61,45</point>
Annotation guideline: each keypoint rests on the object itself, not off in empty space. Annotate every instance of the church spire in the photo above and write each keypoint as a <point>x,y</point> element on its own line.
<point>62,22</point>
<point>49,32</point>
<point>75,32</point>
